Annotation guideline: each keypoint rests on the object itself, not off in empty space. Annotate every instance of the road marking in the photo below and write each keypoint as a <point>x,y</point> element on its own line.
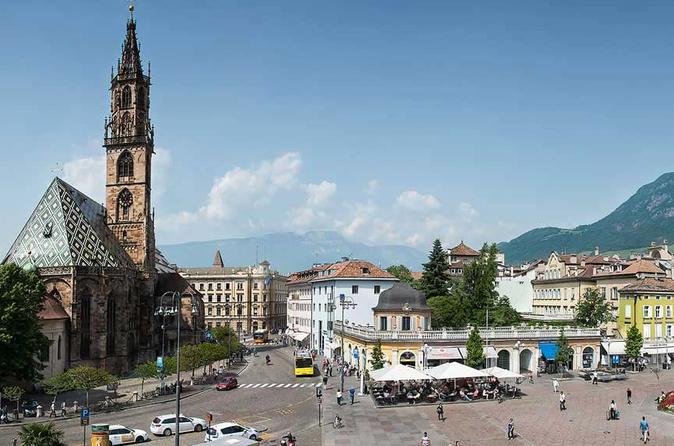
<point>263,385</point>
<point>295,385</point>
<point>243,386</point>
<point>318,384</point>
<point>288,385</point>
<point>256,385</point>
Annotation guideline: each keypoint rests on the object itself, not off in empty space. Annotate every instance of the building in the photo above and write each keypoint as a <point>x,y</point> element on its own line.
<point>246,298</point>
<point>300,303</point>
<point>402,325</point>
<point>98,263</point>
<point>647,304</point>
<point>515,284</point>
<point>460,255</point>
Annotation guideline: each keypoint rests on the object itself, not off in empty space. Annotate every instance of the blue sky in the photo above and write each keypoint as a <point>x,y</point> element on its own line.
<point>390,121</point>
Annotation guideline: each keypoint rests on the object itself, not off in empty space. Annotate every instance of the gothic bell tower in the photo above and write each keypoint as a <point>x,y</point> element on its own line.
<point>129,145</point>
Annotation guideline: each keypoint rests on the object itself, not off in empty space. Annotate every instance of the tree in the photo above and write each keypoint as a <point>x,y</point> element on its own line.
<point>447,312</point>
<point>503,314</point>
<point>377,357</point>
<point>564,351</point>
<point>474,349</point>
<point>79,378</point>
<point>477,288</point>
<point>435,277</point>
<point>21,340</point>
<point>633,344</point>
<point>402,273</point>
<point>224,335</point>
<point>592,310</point>
<point>13,393</point>
<point>147,370</point>
<point>41,434</point>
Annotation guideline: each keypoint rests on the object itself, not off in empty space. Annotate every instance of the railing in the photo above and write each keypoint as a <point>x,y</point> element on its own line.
<point>547,317</point>
<point>131,139</point>
<point>496,333</point>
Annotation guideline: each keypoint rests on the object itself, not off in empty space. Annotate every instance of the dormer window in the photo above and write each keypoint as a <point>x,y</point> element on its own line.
<point>365,270</point>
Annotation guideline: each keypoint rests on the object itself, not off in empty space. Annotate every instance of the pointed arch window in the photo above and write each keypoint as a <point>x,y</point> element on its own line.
<point>85,323</point>
<point>124,203</point>
<point>126,97</point>
<point>111,325</point>
<point>58,349</point>
<point>140,102</point>
<point>125,165</point>
<point>127,124</point>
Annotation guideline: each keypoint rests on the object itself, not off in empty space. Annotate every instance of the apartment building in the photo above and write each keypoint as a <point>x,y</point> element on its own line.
<point>300,304</point>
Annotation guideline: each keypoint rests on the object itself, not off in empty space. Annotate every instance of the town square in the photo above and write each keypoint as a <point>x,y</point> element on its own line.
<point>333,224</point>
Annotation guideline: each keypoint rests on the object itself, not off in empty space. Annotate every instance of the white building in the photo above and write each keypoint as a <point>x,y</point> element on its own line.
<point>516,286</point>
<point>300,304</point>
<point>358,281</point>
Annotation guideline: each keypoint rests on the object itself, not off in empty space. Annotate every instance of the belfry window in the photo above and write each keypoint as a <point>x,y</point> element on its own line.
<point>125,165</point>
<point>124,203</point>
<point>140,101</point>
<point>126,97</point>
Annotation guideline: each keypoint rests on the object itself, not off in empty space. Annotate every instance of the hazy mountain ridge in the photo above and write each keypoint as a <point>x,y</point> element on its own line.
<point>290,252</point>
<point>646,216</point>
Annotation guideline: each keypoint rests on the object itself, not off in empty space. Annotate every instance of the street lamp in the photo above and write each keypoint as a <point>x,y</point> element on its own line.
<point>175,308</point>
<point>344,302</point>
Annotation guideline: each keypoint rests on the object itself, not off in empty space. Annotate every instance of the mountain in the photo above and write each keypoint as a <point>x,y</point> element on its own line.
<point>646,216</point>
<point>288,252</point>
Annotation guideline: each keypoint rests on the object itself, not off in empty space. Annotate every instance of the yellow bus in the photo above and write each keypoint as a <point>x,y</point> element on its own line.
<point>261,336</point>
<point>304,366</point>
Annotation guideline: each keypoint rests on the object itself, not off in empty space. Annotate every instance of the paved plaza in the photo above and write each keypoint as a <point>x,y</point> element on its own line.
<point>538,420</point>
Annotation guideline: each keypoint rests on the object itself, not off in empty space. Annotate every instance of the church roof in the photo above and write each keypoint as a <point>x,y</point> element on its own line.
<point>463,250</point>
<point>217,261</point>
<point>67,228</point>
<point>130,64</point>
<point>52,310</point>
<point>401,295</point>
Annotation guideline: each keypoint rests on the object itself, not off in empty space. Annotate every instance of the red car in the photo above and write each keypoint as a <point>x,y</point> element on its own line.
<point>227,384</point>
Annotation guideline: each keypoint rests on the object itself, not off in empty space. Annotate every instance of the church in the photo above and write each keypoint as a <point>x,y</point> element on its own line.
<point>100,267</point>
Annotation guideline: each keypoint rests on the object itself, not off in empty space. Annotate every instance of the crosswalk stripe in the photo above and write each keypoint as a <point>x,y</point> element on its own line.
<point>263,386</point>
<point>288,385</point>
<point>256,385</point>
<point>296,385</point>
<point>243,386</point>
<point>273,385</point>
<point>318,384</point>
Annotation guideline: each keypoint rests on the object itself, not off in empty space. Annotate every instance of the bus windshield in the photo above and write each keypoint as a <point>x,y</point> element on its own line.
<point>303,362</point>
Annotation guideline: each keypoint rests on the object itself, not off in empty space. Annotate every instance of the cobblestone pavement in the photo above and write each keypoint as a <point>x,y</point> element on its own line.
<point>538,420</point>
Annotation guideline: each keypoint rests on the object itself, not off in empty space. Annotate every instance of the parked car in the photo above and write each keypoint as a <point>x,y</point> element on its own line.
<point>124,435</point>
<point>230,430</point>
<point>602,375</point>
<point>228,383</point>
<point>29,408</point>
<point>166,424</point>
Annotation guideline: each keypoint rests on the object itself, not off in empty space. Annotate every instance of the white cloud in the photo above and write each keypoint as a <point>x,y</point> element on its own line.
<point>416,201</point>
<point>87,175</point>
<point>467,211</point>
<point>372,186</point>
<point>320,194</point>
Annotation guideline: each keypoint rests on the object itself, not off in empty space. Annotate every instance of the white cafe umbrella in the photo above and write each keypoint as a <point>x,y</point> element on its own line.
<point>455,370</point>
<point>500,373</point>
<point>399,372</point>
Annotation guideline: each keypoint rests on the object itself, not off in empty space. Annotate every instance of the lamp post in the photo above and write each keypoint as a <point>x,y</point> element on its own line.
<point>175,308</point>
<point>344,302</point>
<point>160,312</point>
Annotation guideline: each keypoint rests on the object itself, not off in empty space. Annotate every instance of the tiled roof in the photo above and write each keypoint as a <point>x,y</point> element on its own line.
<point>596,260</point>
<point>353,269</point>
<point>642,266</point>
<point>456,265</point>
<point>650,284</point>
<point>463,250</point>
<point>416,275</point>
<point>67,228</point>
<point>52,310</point>
<point>305,276</point>
<point>211,271</point>
<point>174,282</point>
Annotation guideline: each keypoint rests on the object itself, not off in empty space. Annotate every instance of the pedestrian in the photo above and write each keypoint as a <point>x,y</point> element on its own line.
<point>339,397</point>
<point>52,409</point>
<point>352,394</point>
<point>562,401</point>
<point>594,378</point>
<point>645,430</point>
<point>441,412</point>
<point>425,440</point>
<point>629,396</point>
<point>330,370</point>
<point>555,385</point>
<point>63,409</point>
<point>511,429</point>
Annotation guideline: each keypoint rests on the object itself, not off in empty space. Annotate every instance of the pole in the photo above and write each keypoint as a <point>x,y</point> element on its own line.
<point>341,387</point>
<point>319,412</point>
<point>178,317</point>
<point>84,435</point>
<point>163,335</point>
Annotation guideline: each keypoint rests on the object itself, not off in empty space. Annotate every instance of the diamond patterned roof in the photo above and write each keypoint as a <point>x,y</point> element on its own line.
<point>67,228</point>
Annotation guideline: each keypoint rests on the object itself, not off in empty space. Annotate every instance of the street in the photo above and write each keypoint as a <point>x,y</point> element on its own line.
<point>288,405</point>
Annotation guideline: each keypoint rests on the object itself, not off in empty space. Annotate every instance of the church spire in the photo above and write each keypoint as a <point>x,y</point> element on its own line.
<point>130,65</point>
<point>217,262</point>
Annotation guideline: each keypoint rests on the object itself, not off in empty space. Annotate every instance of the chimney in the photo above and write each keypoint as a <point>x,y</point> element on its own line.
<point>596,250</point>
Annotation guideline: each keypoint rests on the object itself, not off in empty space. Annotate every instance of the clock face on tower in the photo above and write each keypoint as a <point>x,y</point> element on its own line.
<point>125,199</point>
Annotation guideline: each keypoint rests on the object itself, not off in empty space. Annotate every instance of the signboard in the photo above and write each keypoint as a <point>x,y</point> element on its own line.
<point>160,363</point>
<point>615,359</point>
<point>84,416</point>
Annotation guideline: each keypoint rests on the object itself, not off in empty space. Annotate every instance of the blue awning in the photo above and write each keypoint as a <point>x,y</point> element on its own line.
<point>549,349</point>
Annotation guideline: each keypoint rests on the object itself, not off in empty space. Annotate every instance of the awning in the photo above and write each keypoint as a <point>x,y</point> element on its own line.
<point>657,350</point>
<point>489,352</point>
<point>333,345</point>
<point>399,372</point>
<point>454,370</point>
<point>549,350</point>
<point>299,336</point>
<point>444,353</point>
<point>616,347</point>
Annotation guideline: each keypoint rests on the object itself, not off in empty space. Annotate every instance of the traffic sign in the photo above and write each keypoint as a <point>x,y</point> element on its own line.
<point>84,416</point>
<point>160,362</point>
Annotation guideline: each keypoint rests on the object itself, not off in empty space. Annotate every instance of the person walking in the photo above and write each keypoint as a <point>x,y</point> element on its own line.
<point>562,401</point>
<point>441,412</point>
<point>352,394</point>
<point>52,409</point>
<point>511,429</point>
<point>629,396</point>
<point>594,378</point>
<point>339,397</point>
<point>645,430</point>
<point>425,440</point>
<point>555,385</point>
<point>63,409</point>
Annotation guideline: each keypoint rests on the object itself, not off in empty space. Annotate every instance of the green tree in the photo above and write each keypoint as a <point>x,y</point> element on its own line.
<point>13,393</point>
<point>593,309</point>
<point>402,273</point>
<point>224,335</point>
<point>435,277</point>
<point>79,378</point>
<point>41,434</point>
<point>477,288</point>
<point>503,314</point>
<point>448,312</point>
<point>21,340</point>
<point>474,349</point>
<point>564,352</point>
<point>146,370</point>
<point>633,344</point>
<point>377,357</point>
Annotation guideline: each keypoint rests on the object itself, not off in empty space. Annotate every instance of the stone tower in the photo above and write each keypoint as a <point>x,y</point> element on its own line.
<point>129,145</point>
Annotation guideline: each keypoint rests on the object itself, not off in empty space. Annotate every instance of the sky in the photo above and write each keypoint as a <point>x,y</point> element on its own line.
<point>390,122</point>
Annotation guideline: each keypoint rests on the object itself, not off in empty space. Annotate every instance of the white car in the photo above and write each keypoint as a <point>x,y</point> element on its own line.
<point>229,430</point>
<point>166,424</point>
<point>124,435</point>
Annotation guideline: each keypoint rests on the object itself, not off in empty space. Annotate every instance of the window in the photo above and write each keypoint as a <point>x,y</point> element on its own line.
<point>406,323</point>
<point>111,326</point>
<point>668,330</point>
<point>210,298</point>
<point>126,97</point>
<point>218,287</point>
<point>210,325</point>
<point>124,202</point>
<point>383,323</point>
<point>377,289</point>
<point>219,297</point>
<point>85,323</point>
<point>628,311</point>
<point>354,289</point>
<point>254,297</point>
<point>210,311</point>
<point>256,286</point>
<point>218,324</point>
<point>201,287</point>
<point>210,287</point>
<point>658,311</point>
<point>365,270</point>
<point>58,346</point>
<point>239,286</point>
<point>658,330</point>
<point>668,311</point>
<point>227,286</point>
<point>218,311</point>
<point>124,165</point>
<point>647,331</point>
<point>647,311</point>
